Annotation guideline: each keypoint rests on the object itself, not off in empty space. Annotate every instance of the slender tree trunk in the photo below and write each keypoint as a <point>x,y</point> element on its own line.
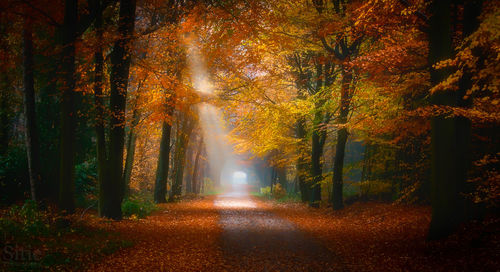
<point>129,160</point>
<point>180,157</point>
<point>32,142</point>
<point>338,163</point>
<point>182,143</point>
<point>160,189</point>
<point>102,156</point>
<point>120,65</point>
<point>318,142</point>
<point>302,164</point>
<point>281,177</point>
<point>194,182</point>
<point>188,173</point>
<point>67,159</point>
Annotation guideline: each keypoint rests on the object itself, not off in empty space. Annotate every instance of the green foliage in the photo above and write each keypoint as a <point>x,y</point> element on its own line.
<point>290,197</point>
<point>371,189</point>
<point>265,191</point>
<point>24,221</point>
<point>138,207</point>
<point>14,181</point>
<point>86,182</point>
<point>278,191</point>
<point>209,187</point>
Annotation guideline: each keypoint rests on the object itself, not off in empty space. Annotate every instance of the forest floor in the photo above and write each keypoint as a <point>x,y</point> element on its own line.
<point>385,237</point>
<point>240,233</point>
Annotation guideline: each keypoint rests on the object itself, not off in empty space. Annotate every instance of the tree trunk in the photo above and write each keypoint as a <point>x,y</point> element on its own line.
<point>302,164</point>
<point>102,156</point>
<point>338,163</point>
<point>32,142</point>
<point>160,189</point>
<point>318,136</point>
<point>450,135</point>
<point>182,143</point>
<point>446,179</point>
<point>180,154</point>
<point>129,160</point>
<point>194,182</point>
<point>67,159</point>
<point>120,65</point>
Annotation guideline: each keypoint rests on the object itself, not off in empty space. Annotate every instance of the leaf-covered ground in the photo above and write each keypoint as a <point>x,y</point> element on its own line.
<point>249,234</point>
<point>384,237</point>
<point>179,237</point>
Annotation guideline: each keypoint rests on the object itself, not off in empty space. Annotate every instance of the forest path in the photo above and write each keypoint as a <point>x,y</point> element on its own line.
<point>254,239</point>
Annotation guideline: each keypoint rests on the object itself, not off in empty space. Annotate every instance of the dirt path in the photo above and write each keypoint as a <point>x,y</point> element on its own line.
<point>254,239</point>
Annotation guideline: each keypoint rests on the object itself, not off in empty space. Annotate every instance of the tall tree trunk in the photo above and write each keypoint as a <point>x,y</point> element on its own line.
<point>160,189</point>
<point>181,145</point>
<point>302,164</point>
<point>338,163</point>
<point>120,65</point>
<point>32,142</point>
<point>194,182</point>
<point>318,136</point>
<point>450,135</point>
<point>180,157</point>
<point>67,159</point>
<point>281,177</point>
<point>102,156</point>
<point>446,179</point>
<point>129,160</point>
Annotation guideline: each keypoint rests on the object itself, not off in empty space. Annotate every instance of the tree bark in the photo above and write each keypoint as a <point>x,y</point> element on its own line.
<point>302,164</point>
<point>129,160</point>
<point>450,135</point>
<point>318,139</point>
<point>160,189</point>
<point>182,143</point>
<point>102,154</point>
<point>32,138</point>
<point>338,163</point>
<point>194,182</point>
<point>446,181</point>
<point>120,65</point>
<point>67,159</point>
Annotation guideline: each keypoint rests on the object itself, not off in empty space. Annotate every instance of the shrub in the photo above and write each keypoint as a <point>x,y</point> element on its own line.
<point>85,183</point>
<point>138,208</point>
<point>278,191</point>
<point>370,189</point>
<point>25,221</point>
<point>265,191</point>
